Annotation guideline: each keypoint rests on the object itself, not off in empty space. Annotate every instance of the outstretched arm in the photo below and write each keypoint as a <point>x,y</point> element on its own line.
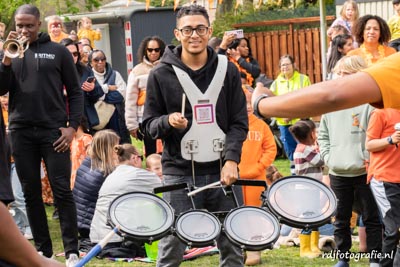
<point>15,249</point>
<point>320,98</point>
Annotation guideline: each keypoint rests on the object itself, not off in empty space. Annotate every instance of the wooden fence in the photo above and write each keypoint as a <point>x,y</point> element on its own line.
<point>303,44</point>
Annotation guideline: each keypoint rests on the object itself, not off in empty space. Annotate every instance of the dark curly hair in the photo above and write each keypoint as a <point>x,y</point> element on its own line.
<point>359,27</point>
<point>141,52</point>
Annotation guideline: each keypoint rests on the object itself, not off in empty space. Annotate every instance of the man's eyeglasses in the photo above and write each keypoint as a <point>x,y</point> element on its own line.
<point>97,59</point>
<point>153,49</point>
<point>140,157</point>
<point>286,65</point>
<point>188,31</point>
<point>75,54</point>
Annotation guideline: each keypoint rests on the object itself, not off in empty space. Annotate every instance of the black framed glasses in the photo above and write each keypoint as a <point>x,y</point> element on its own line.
<point>140,157</point>
<point>75,54</point>
<point>188,31</point>
<point>157,50</point>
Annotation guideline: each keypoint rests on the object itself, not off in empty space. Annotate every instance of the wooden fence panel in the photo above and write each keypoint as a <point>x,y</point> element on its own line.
<point>303,44</point>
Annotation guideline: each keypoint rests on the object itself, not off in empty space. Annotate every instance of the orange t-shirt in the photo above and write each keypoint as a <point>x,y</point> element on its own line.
<point>258,153</point>
<point>384,165</point>
<point>386,75</point>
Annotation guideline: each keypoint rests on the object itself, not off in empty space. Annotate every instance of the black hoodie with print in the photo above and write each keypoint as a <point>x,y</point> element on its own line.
<point>164,96</point>
<point>36,83</point>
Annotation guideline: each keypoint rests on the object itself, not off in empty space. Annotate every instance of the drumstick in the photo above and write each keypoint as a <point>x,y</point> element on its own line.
<point>183,105</point>
<point>96,249</point>
<point>194,192</point>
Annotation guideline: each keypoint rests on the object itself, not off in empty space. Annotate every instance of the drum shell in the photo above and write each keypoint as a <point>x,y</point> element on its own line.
<point>141,216</point>
<point>301,201</point>
<point>197,228</point>
<point>262,226</point>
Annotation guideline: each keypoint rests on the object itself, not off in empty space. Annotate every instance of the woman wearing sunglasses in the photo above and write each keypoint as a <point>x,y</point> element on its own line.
<point>109,99</point>
<point>149,53</point>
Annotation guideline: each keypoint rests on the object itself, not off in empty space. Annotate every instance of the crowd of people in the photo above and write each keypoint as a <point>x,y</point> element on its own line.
<point>69,120</point>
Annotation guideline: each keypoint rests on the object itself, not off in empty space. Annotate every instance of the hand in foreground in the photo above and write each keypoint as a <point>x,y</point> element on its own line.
<point>62,144</point>
<point>177,121</point>
<point>229,173</point>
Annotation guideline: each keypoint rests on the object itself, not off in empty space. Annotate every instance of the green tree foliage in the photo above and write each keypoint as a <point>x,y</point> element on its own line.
<point>227,15</point>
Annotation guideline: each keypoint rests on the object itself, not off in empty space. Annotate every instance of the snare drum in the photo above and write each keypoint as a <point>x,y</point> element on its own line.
<point>301,202</point>
<point>251,228</point>
<point>198,228</point>
<point>142,216</point>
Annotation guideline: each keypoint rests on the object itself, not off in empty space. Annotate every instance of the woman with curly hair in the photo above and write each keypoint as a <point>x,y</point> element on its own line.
<point>149,53</point>
<point>373,34</point>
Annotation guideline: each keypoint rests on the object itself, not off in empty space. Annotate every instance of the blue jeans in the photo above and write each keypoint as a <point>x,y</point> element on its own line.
<point>289,143</point>
<point>29,146</point>
<point>170,248</point>
<point>18,206</point>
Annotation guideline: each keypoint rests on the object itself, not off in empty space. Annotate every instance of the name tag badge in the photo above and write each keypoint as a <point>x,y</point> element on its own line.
<point>203,113</point>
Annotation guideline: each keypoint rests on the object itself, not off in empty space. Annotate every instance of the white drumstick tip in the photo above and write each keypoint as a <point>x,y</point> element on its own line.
<point>194,192</point>
<point>183,105</point>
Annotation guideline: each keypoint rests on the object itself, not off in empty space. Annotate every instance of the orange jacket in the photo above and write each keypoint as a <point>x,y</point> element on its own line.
<point>258,152</point>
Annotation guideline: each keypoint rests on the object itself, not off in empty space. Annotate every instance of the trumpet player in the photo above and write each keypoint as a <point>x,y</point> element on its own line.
<point>40,125</point>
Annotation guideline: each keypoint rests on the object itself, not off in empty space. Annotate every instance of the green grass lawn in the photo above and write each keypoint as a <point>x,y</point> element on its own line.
<point>282,257</point>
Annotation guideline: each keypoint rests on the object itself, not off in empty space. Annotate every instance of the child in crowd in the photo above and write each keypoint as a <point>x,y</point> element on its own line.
<point>85,30</point>
<point>153,164</point>
<point>55,29</point>
<point>258,152</point>
<point>79,147</point>
<point>308,162</point>
<point>394,26</point>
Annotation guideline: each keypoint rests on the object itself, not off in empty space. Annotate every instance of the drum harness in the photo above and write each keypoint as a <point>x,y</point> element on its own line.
<point>195,144</point>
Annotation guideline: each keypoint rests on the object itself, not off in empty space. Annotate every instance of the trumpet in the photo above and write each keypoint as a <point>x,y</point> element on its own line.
<point>14,48</point>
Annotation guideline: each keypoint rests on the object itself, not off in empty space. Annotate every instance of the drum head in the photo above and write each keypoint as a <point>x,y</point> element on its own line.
<point>142,216</point>
<point>251,228</point>
<point>198,228</point>
<point>301,202</point>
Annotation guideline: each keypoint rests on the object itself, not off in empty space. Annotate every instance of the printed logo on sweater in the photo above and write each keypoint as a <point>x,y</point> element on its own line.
<point>44,56</point>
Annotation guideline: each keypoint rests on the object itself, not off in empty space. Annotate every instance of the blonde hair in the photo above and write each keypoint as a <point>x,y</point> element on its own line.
<point>53,19</point>
<point>80,22</point>
<point>350,64</point>
<point>151,159</point>
<point>125,151</point>
<point>102,151</point>
<point>355,7</point>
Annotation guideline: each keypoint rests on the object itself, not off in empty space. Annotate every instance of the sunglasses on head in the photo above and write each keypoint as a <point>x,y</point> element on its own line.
<point>97,59</point>
<point>153,49</point>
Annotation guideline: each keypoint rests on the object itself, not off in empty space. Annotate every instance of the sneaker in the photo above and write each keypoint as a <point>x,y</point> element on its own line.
<point>55,214</point>
<point>72,260</point>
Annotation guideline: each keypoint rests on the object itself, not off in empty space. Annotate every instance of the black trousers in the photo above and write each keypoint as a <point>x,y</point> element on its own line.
<point>346,189</point>
<point>29,146</point>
